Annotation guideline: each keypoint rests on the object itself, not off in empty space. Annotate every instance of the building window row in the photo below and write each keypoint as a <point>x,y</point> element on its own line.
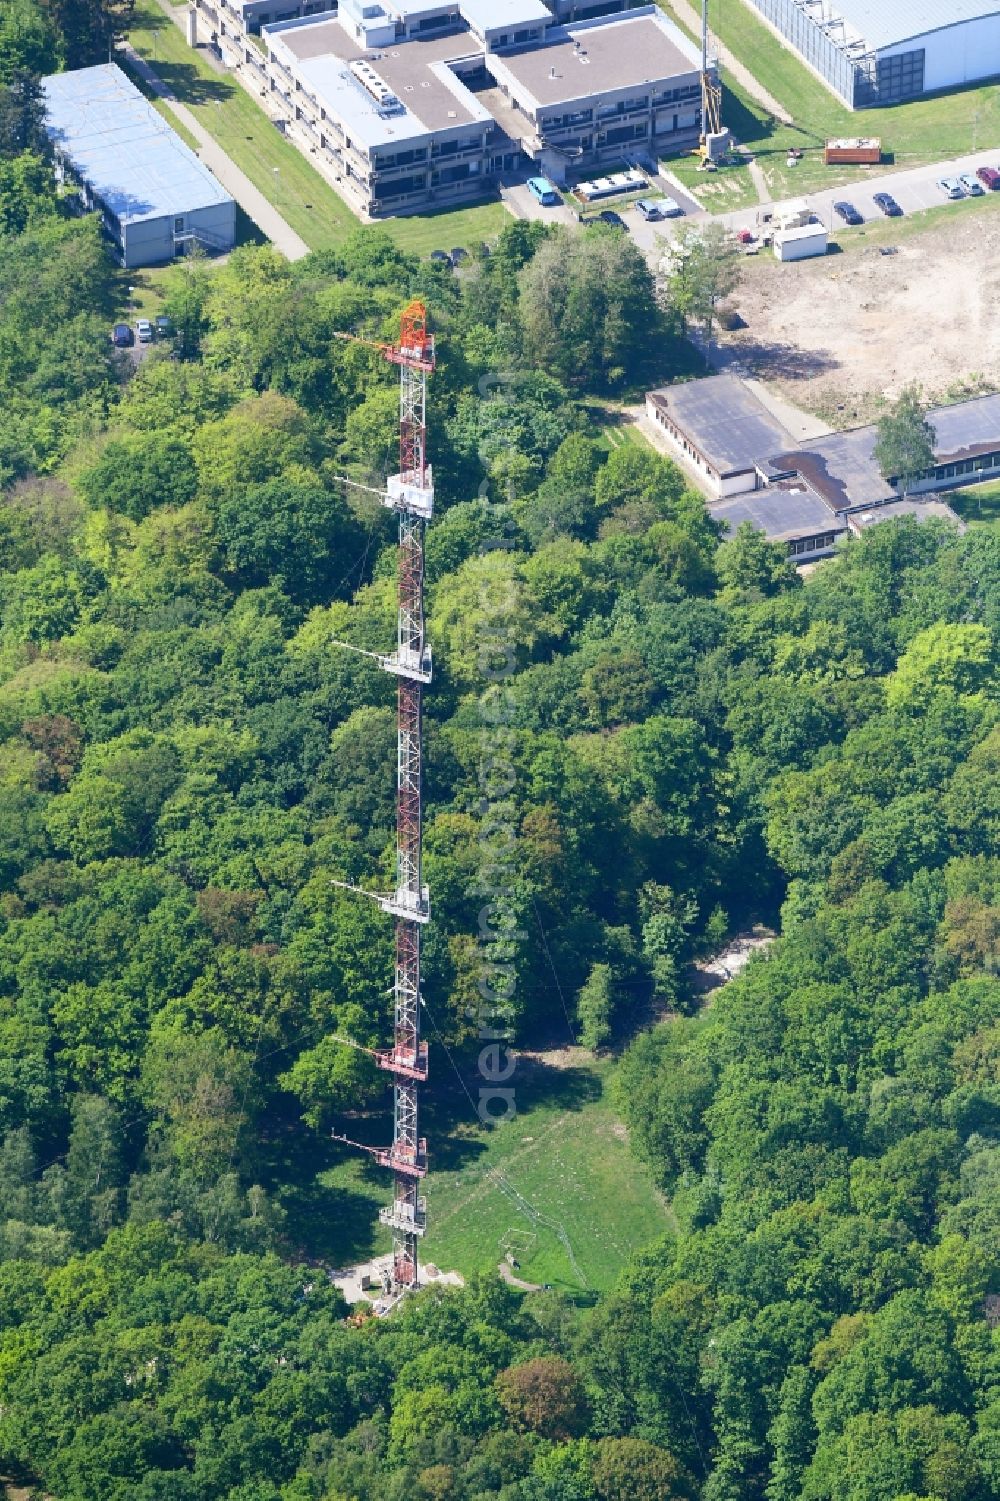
<point>978,465</point>
<point>812,544</point>
<point>673,96</point>
<point>623,107</point>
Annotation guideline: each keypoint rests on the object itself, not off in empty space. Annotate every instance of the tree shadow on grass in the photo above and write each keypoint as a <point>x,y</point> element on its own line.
<point>458,1134</point>
<point>188,85</point>
<point>336,1222</point>
<point>332,1222</point>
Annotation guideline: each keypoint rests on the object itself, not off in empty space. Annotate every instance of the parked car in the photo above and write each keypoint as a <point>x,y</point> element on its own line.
<point>608,216</point>
<point>847,212</point>
<point>164,327</point>
<point>122,336</point>
<point>989,177</point>
<point>542,189</point>
<point>950,187</point>
<point>144,330</point>
<point>647,208</point>
<point>441,257</point>
<point>888,205</point>
<point>670,208</point>
<point>972,186</point>
<point>745,236</point>
<point>458,255</point>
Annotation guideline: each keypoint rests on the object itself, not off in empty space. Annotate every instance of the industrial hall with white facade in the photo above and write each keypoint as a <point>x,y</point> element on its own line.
<point>415,104</point>
<point>879,52</point>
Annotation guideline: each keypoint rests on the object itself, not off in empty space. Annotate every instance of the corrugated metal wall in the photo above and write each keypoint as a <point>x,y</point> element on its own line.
<point>812,42</point>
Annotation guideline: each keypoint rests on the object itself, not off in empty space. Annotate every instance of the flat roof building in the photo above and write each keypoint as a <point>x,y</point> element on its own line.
<point>155,196</point>
<point>719,426</point>
<point>874,52</point>
<point>789,512</point>
<point>602,90</point>
<point>414,104</point>
<point>923,508</point>
<point>808,495</point>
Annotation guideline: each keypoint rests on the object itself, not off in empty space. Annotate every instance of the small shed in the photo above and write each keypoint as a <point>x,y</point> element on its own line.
<point>801,242</point>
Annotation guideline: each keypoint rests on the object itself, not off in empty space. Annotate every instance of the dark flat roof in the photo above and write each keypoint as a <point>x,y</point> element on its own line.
<point>610,53</point>
<point>731,429</point>
<point>783,512</point>
<point>925,508</point>
<point>735,433</point>
<point>966,429</point>
<point>842,467</point>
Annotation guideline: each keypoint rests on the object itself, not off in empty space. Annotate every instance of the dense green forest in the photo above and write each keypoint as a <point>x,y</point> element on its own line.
<point>695,739</point>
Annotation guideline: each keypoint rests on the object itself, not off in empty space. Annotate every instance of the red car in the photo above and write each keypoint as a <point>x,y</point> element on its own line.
<point>989,177</point>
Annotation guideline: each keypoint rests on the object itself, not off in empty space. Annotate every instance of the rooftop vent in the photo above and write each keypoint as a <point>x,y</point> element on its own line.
<point>385,100</point>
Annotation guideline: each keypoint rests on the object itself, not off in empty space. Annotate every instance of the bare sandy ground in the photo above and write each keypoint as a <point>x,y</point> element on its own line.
<point>839,335</point>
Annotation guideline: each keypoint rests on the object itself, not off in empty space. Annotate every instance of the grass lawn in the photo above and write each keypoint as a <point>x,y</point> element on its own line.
<point>557,1185</point>
<point>979,505</point>
<point>227,112</point>
<point>723,191</point>
<point>300,194</point>
<point>919,131</point>
<point>448,228</point>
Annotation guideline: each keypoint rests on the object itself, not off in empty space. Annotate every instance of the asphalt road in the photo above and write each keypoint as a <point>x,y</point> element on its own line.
<point>914,189</point>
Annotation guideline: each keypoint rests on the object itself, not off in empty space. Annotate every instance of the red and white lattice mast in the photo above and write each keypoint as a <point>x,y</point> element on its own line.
<point>411,494</point>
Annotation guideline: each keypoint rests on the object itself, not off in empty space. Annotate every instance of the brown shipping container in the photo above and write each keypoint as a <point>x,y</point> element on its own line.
<point>859,151</point>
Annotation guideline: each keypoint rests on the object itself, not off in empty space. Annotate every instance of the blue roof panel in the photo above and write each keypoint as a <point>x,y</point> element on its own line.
<point>122,149</point>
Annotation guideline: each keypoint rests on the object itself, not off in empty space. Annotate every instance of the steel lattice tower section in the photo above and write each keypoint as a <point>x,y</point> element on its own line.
<point>411,494</point>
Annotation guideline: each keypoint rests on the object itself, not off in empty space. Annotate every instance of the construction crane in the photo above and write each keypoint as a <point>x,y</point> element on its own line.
<point>410,493</point>
<point>711,91</point>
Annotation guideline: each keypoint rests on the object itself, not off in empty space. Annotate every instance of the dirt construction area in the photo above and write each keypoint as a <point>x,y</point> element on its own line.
<point>839,334</point>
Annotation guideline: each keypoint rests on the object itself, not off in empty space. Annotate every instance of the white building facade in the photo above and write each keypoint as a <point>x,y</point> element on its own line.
<point>417,104</point>
<point>155,197</point>
<point>879,52</point>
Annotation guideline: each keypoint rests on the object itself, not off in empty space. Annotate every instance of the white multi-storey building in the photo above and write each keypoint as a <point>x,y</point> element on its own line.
<point>414,104</point>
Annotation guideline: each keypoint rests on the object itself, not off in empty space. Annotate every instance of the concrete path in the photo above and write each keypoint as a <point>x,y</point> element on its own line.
<point>759,181</point>
<point>250,199</point>
<point>691,18</point>
<point>506,1275</point>
<point>801,424</point>
<point>350,1280</point>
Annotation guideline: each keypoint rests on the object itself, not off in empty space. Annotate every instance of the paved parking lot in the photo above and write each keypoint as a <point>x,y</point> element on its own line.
<point>913,189</point>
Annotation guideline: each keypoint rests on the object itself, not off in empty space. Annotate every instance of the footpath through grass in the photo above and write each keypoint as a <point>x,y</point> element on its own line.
<point>558,1185</point>
<point>919,131</point>
<point>286,178</point>
<point>225,110</point>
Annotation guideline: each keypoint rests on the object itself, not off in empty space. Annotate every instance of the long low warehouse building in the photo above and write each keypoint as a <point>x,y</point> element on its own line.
<point>156,198</point>
<point>874,52</point>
